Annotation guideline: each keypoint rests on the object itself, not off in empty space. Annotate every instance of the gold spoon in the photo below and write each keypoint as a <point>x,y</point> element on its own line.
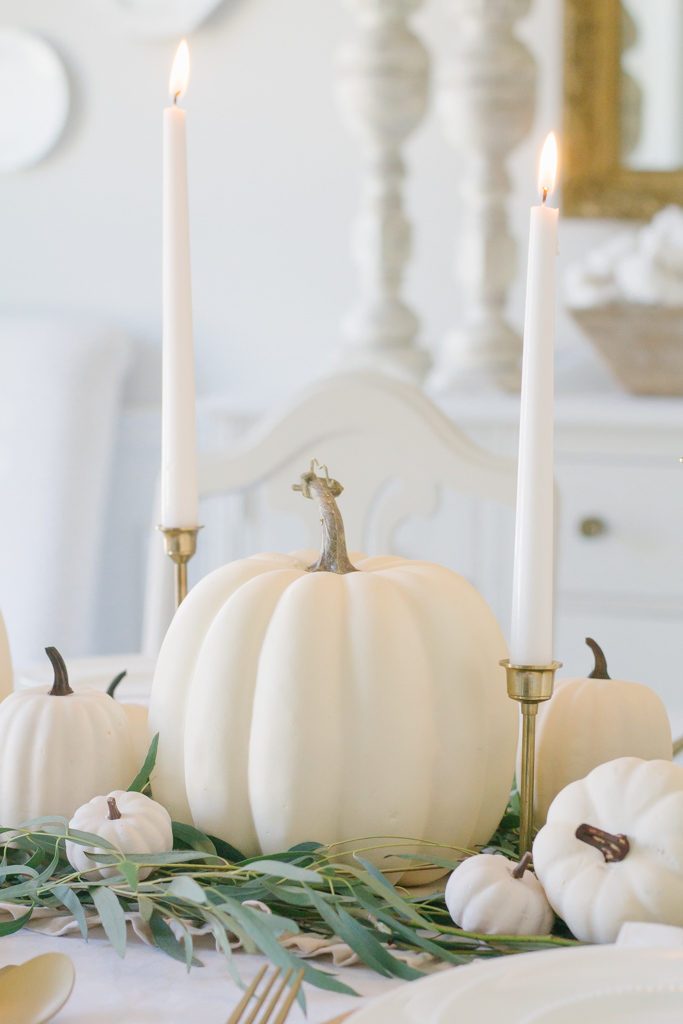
<point>33,992</point>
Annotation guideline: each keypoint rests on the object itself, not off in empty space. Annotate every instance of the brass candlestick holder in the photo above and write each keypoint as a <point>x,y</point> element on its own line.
<point>181,544</point>
<point>530,685</point>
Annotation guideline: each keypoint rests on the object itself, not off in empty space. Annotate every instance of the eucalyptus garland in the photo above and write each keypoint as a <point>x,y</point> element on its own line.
<point>205,881</point>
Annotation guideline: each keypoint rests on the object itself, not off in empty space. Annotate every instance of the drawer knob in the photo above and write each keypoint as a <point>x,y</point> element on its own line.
<point>593,526</point>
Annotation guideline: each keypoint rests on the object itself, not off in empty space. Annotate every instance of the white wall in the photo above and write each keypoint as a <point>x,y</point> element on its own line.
<point>274,183</point>
<point>273,177</point>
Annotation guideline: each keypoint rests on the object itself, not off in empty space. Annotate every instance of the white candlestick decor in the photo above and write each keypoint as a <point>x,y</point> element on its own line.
<point>531,638</point>
<point>179,497</point>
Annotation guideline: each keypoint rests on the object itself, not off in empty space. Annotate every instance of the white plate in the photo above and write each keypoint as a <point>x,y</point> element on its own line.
<point>165,17</point>
<point>35,99</point>
<point>591,984</point>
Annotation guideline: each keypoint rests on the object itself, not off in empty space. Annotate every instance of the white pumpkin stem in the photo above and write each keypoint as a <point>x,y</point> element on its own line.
<point>60,687</point>
<point>600,669</point>
<point>111,689</point>
<point>114,812</point>
<point>334,557</point>
<point>522,866</point>
<point>612,847</point>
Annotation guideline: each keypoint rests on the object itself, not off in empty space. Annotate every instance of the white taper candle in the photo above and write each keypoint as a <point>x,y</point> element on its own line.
<point>531,635</point>
<point>179,499</point>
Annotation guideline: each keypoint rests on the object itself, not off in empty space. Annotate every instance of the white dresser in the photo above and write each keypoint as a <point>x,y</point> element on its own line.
<point>620,529</point>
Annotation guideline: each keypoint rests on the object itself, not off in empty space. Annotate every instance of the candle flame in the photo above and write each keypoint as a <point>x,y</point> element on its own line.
<point>180,71</point>
<point>547,170</point>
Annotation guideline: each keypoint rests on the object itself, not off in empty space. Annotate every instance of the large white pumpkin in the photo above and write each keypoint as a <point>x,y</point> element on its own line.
<point>294,704</point>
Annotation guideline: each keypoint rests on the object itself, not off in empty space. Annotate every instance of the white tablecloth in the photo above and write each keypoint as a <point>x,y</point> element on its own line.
<point>148,987</point>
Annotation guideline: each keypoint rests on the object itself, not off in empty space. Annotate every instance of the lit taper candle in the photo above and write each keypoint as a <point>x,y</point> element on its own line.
<point>179,501</point>
<point>531,635</point>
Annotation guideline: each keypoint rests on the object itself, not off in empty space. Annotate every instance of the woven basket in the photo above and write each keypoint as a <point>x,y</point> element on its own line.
<point>642,345</point>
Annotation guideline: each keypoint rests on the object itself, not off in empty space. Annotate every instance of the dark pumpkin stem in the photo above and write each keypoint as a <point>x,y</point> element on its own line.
<point>114,812</point>
<point>522,866</point>
<point>60,687</point>
<point>600,668</point>
<point>111,689</point>
<point>334,557</point>
<point>613,848</point>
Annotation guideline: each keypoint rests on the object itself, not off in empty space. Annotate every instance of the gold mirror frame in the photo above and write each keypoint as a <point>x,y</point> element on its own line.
<point>595,182</point>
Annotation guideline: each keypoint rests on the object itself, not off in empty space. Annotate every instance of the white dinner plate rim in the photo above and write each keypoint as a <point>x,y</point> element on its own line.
<point>619,967</point>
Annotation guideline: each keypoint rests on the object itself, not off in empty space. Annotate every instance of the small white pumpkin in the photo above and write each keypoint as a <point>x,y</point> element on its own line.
<point>593,720</point>
<point>58,748</point>
<point>492,895</point>
<point>132,822</point>
<point>137,715</point>
<point>612,848</point>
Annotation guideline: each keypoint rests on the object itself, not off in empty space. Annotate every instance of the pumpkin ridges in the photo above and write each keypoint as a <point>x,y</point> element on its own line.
<point>219,700</point>
<point>187,680</point>
<point>177,661</point>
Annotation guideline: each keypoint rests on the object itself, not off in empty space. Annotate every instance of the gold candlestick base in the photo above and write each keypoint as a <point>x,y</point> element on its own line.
<point>530,685</point>
<point>181,544</point>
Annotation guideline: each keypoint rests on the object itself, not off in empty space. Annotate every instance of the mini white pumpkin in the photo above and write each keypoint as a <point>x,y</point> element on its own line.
<point>492,895</point>
<point>137,715</point>
<point>593,720</point>
<point>333,701</point>
<point>132,822</point>
<point>58,748</point>
<point>612,848</point>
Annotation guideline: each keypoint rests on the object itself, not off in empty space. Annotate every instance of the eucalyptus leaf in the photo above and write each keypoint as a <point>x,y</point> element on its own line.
<point>141,780</point>
<point>166,940</point>
<point>89,839</point>
<point>206,881</point>
<point>130,872</point>
<point>193,838</point>
<point>70,900</point>
<point>361,941</point>
<point>111,915</point>
<point>281,869</point>
<point>8,927</point>
<point>187,889</point>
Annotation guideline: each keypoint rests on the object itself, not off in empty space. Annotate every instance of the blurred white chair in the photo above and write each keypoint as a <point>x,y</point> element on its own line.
<point>60,396</point>
<point>397,456</point>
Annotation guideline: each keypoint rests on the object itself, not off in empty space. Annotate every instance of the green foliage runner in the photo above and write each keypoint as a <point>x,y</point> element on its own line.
<point>205,881</point>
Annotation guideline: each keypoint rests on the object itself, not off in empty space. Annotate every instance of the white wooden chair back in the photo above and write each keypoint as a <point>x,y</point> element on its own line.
<point>396,454</point>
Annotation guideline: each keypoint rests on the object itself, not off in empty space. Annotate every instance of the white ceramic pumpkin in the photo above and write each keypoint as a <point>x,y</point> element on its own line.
<point>492,895</point>
<point>137,715</point>
<point>298,702</point>
<point>612,848</point>
<point>6,675</point>
<point>58,748</point>
<point>593,720</point>
<point>132,822</point>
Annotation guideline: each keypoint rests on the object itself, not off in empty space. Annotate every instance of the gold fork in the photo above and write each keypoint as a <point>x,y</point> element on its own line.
<point>242,1008</point>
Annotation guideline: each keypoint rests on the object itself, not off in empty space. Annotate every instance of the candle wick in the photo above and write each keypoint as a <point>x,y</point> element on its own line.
<point>175,104</point>
<point>545,196</point>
